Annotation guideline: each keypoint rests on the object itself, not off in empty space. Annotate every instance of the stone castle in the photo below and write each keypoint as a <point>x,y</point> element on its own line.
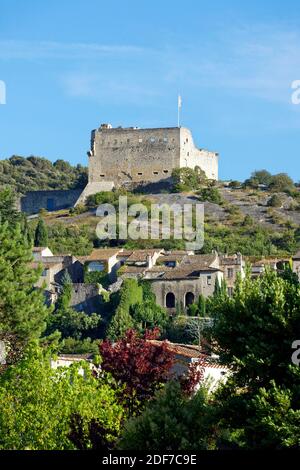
<point>129,157</point>
<point>133,156</point>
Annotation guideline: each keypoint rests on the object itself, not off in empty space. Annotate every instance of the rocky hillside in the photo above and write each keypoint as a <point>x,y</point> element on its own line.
<point>256,222</point>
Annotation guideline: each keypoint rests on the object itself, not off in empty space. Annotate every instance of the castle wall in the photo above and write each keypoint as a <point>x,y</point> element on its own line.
<point>191,156</point>
<point>51,200</point>
<point>126,155</point>
<point>132,155</point>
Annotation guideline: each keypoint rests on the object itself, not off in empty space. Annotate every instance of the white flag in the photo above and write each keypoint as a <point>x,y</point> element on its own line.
<point>179,101</point>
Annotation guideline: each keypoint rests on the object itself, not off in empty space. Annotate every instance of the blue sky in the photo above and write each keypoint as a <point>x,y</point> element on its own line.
<point>70,65</point>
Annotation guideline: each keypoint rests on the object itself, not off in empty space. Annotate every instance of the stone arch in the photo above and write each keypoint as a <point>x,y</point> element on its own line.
<point>170,300</point>
<point>189,298</point>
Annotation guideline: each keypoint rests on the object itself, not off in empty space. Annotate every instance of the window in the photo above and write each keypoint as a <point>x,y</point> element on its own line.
<point>170,264</point>
<point>230,291</point>
<point>188,154</point>
<point>230,273</point>
<point>186,139</point>
<point>115,141</point>
<point>96,266</point>
<point>189,298</point>
<point>102,176</point>
<point>165,139</point>
<point>140,140</point>
<point>155,172</point>
<point>170,300</point>
<point>45,272</point>
<point>128,140</point>
<point>152,139</point>
<point>166,171</point>
<point>140,174</point>
<point>209,280</point>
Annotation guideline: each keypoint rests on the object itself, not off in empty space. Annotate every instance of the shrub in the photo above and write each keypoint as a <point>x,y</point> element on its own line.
<point>275,201</point>
<point>210,194</point>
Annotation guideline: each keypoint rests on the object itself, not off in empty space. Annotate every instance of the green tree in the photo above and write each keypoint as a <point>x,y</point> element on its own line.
<point>281,182</point>
<point>253,332</point>
<point>187,179</point>
<point>171,422</point>
<point>39,413</point>
<point>147,314</point>
<point>262,176</point>
<point>8,211</point>
<point>130,295</point>
<point>22,307</point>
<point>41,234</point>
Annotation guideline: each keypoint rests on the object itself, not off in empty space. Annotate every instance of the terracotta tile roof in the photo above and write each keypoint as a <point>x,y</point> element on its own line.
<point>183,272</point>
<point>201,260</point>
<point>125,253</point>
<point>171,257</point>
<point>190,351</point>
<point>141,255</point>
<point>37,264</point>
<point>133,269</point>
<point>99,254</point>
<point>190,267</point>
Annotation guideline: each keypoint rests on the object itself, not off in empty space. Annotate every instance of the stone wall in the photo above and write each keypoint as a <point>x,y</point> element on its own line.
<point>54,200</point>
<point>86,298</point>
<point>191,156</point>
<point>180,287</point>
<point>132,155</point>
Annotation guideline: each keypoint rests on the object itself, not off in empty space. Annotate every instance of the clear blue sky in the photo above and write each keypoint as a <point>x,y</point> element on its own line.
<point>71,65</point>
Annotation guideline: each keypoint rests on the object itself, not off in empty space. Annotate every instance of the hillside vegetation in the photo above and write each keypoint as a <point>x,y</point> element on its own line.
<point>37,173</point>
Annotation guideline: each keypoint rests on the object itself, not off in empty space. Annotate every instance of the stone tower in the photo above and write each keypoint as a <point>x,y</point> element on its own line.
<point>124,156</point>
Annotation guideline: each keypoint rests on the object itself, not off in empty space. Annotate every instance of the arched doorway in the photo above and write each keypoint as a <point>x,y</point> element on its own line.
<point>189,298</point>
<point>170,300</point>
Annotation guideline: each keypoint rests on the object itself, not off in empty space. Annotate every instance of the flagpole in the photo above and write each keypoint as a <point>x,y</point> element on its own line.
<point>178,110</point>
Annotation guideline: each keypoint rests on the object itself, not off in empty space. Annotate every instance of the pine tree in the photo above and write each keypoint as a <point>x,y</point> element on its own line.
<point>8,211</point>
<point>22,307</point>
<point>41,234</point>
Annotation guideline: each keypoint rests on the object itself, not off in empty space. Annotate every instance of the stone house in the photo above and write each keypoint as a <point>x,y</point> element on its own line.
<point>86,298</point>
<point>135,263</point>
<point>102,260</point>
<point>183,284</point>
<point>232,266</point>
<point>187,354</point>
<point>54,268</point>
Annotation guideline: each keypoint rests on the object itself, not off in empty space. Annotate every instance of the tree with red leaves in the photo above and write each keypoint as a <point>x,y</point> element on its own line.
<point>190,381</point>
<point>137,363</point>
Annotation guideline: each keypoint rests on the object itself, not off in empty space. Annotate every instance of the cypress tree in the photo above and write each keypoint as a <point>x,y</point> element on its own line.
<point>41,234</point>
